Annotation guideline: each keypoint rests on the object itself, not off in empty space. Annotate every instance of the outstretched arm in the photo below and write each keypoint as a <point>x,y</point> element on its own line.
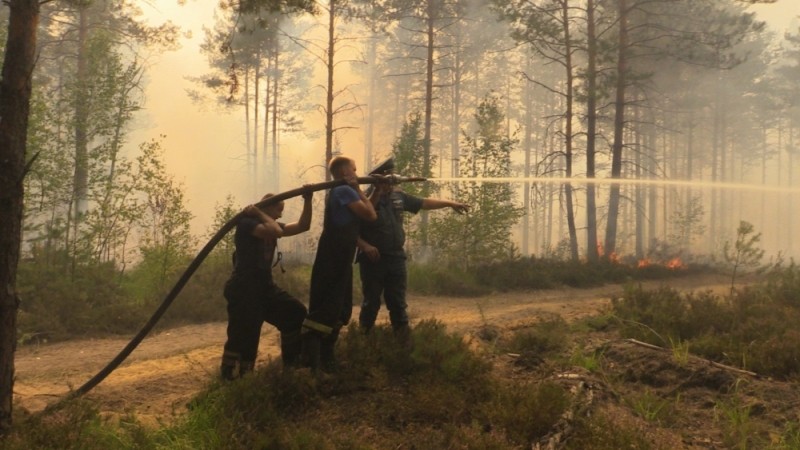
<point>435,203</point>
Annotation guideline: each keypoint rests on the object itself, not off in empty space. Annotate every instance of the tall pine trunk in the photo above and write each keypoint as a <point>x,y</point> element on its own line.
<point>568,137</point>
<point>526,148</point>
<point>15,94</point>
<point>369,130</point>
<point>329,97</point>
<point>276,99</point>
<point>81,176</point>
<point>426,140</point>
<point>591,133</point>
<point>619,130</point>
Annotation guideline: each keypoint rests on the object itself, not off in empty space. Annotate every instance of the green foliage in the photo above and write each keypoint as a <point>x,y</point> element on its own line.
<point>277,409</point>
<point>223,213</point>
<point>599,432</point>
<point>790,439</point>
<point>544,339</point>
<point>651,407</point>
<point>527,412</point>
<point>439,278</point>
<point>547,273</point>
<point>166,240</point>
<point>738,429</point>
<point>297,278</point>
<point>408,151</point>
<point>434,279</point>
<point>201,300</point>
<point>680,352</point>
<point>687,223</point>
<point>56,305</point>
<point>443,356</point>
<point>74,424</point>
<point>745,252</point>
<point>483,234</point>
<point>750,329</point>
<point>590,361</point>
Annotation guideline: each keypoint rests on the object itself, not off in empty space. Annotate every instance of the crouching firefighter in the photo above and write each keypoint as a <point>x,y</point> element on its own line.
<point>331,295</point>
<point>251,294</point>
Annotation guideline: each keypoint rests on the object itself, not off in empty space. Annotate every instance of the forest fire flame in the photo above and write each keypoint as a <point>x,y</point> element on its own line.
<point>612,257</point>
<point>673,264</point>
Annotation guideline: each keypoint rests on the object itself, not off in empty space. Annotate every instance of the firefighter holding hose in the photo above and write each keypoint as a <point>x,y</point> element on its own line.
<point>331,297</point>
<point>381,251</point>
<point>252,295</point>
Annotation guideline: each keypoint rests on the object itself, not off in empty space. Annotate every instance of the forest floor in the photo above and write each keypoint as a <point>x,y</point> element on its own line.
<point>169,368</point>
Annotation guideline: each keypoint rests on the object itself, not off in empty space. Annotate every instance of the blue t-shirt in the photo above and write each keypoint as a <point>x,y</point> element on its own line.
<point>340,197</point>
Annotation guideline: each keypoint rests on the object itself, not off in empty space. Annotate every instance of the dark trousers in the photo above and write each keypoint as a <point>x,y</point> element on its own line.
<point>251,302</point>
<point>387,277</point>
<point>331,298</point>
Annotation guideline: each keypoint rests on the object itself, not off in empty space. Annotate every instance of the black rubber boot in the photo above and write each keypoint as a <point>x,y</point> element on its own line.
<point>327,353</point>
<point>291,348</point>
<point>402,333</point>
<point>229,369</point>
<point>227,372</point>
<point>310,356</point>
<point>246,367</point>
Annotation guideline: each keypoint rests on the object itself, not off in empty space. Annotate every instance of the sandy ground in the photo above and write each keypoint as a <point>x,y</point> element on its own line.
<point>168,369</point>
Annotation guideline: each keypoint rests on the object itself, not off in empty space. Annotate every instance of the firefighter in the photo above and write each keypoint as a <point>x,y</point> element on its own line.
<point>251,294</point>
<point>382,257</point>
<point>331,297</point>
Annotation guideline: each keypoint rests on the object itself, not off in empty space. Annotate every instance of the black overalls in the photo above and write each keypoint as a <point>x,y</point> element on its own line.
<point>253,298</point>
<point>331,297</point>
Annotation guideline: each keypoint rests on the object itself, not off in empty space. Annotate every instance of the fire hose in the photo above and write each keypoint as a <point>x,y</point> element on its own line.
<point>201,256</point>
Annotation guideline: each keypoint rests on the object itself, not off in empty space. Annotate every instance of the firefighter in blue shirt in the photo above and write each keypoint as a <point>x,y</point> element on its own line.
<point>331,296</point>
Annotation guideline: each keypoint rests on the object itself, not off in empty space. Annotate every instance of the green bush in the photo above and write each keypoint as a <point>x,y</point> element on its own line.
<point>59,301</point>
<point>74,424</point>
<point>527,412</point>
<point>752,328</point>
<point>541,340</point>
<point>433,392</point>
<point>201,300</point>
<point>598,432</point>
<point>547,273</point>
<point>431,279</point>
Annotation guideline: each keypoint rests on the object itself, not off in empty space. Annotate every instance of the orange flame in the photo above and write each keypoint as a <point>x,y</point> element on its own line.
<point>643,263</point>
<point>675,264</point>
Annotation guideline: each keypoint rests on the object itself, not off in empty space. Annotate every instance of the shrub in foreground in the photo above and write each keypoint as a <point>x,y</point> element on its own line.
<point>752,328</point>
<point>431,392</point>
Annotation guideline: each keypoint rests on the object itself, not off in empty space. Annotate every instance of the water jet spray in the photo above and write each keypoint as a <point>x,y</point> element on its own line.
<point>622,181</point>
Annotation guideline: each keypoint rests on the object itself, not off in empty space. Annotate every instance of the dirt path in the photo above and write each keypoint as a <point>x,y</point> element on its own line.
<point>169,368</point>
